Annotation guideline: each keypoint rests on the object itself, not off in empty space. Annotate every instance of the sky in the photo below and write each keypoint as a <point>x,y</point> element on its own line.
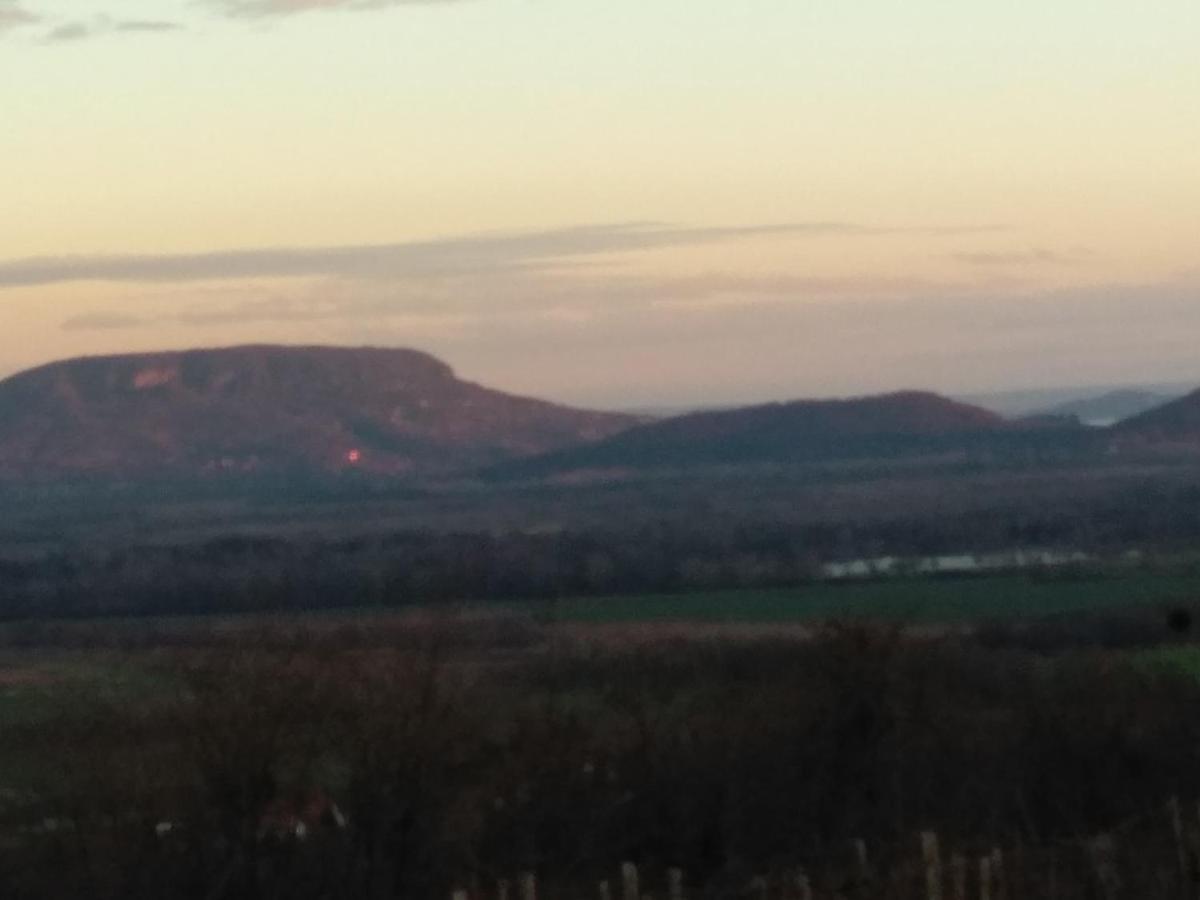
<point>619,203</point>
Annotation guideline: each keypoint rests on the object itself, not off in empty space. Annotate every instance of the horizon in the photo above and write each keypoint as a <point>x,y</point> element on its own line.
<point>617,205</point>
<point>1007,402</point>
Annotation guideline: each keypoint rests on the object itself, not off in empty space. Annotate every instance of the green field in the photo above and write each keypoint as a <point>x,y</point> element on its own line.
<point>1181,658</point>
<point>916,600</point>
<point>57,684</point>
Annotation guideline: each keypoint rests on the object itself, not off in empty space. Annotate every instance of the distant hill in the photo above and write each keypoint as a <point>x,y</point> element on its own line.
<point>1107,409</point>
<point>267,408</point>
<point>1064,400</point>
<point>1172,424</point>
<point>889,426</point>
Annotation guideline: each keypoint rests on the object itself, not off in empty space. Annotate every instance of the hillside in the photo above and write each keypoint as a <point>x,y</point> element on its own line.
<point>889,426</point>
<point>1176,423</point>
<point>266,408</point>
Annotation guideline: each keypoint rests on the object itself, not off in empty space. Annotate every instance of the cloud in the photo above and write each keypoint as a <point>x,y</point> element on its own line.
<point>267,8</point>
<point>452,256</point>
<point>13,14</point>
<point>69,32</point>
<point>146,26</point>
<point>487,296</point>
<point>102,321</point>
<point>1034,256</point>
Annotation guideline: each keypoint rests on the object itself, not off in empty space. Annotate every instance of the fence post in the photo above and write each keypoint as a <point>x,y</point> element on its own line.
<point>958,877</point>
<point>998,874</point>
<point>931,858</point>
<point>460,894</point>
<point>1103,851</point>
<point>605,892</point>
<point>1052,890</point>
<point>629,882</point>
<point>1176,814</point>
<point>675,884</point>
<point>803,886</point>
<point>527,886</point>
<point>985,878</point>
<point>862,867</point>
<point>1193,836</point>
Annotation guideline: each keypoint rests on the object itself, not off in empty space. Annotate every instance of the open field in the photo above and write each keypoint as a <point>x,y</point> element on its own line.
<point>1183,659</point>
<point>902,600</point>
<point>958,600</point>
<point>38,686</point>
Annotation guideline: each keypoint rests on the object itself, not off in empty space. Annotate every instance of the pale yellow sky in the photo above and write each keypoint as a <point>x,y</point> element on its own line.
<point>777,198</point>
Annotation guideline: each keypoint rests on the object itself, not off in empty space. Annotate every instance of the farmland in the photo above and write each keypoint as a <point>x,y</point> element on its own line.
<point>957,600</point>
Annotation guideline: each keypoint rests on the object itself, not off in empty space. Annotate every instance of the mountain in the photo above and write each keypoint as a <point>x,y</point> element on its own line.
<point>268,408</point>
<point>1065,400</point>
<point>889,426</point>
<point>1174,424</point>
<point>1107,409</point>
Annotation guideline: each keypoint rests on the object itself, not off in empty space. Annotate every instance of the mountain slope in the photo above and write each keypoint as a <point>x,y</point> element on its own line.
<point>1108,408</point>
<point>1174,423</point>
<point>889,426</point>
<point>263,408</point>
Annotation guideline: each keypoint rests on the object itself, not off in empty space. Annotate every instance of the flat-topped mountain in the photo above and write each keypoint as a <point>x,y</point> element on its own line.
<point>888,426</point>
<point>270,408</point>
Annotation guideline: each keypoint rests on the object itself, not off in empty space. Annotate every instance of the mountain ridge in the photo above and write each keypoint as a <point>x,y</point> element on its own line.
<point>902,423</point>
<point>265,407</point>
<point>261,408</point>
